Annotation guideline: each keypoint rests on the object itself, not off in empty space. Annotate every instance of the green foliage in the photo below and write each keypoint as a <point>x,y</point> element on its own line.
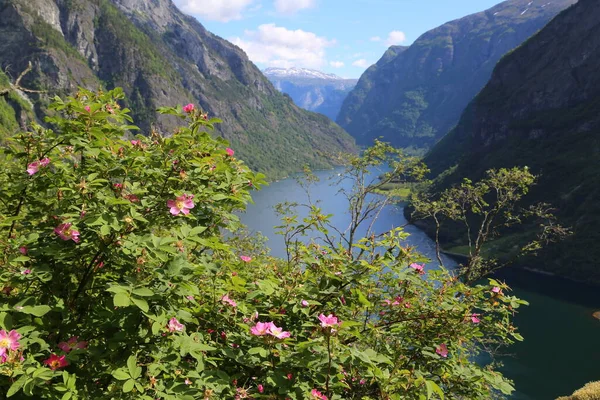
<point>10,105</point>
<point>112,293</point>
<point>481,210</point>
<point>8,119</point>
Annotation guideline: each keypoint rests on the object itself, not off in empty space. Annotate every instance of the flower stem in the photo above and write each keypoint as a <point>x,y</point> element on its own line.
<point>328,364</point>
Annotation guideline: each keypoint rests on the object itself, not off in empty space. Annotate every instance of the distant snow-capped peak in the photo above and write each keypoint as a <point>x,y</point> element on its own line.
<point>299,73</point>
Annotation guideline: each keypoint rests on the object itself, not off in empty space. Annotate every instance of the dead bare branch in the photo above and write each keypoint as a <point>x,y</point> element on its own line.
<point>17,84</point>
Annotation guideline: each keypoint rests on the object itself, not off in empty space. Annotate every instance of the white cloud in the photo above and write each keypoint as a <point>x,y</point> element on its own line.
<point>276,46</point>
<point>395,37</point>
<point>375,39</point>
<point>293,6</point>
<point>362,63</point>
<point>215,10</point>
<point>337,64</point>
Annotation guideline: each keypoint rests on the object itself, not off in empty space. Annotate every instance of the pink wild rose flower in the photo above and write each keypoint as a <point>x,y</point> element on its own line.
<point>317,395</point>
<point>279,333</point>
<point>420,268</point>
<point>442,350</point>
<point>55,362</point>
<point>246,258</point>
<point>304,303</point>
<point>26,271</point>
<point>175,325</point>
<point>72,344</point>
<point>475,318</point>
<point>189,108</point>
<point>227,300</point>
<point>230,152</point>
<point>182,204</point>
<point>87,108</point>
<point>261,328</point>
<point>261,389</point>
<point>65,232</point>
<point>328,321</point>
<point>9,341</point>
<point>35,166</point>
<point>23,250</point>
<point>496,290</point>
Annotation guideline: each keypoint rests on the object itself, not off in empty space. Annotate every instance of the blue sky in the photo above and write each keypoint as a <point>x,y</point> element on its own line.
<point>338,36</point>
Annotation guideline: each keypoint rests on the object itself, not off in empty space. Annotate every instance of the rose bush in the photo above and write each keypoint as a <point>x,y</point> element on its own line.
<point>124,277</point>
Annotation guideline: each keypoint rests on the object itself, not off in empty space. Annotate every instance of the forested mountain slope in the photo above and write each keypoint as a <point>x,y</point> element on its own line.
<point>162,57</point>
<point>541,109</point>
<point>416,96</point>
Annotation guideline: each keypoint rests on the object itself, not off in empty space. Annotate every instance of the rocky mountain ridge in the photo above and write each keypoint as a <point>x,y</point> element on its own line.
<point>161,56</point>
<point>416,96</point>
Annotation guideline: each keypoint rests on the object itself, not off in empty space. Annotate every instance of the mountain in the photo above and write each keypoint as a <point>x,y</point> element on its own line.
<point>312,90</point>
<point>541,109</point>
<point>413,98</point>
<point>161,57</point>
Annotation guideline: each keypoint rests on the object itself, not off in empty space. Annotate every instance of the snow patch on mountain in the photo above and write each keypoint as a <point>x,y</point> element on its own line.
<point>299,73</point>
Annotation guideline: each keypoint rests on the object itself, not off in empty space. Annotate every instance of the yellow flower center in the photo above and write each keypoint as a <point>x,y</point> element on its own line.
<point>179,204</point>
<point>4,343</point>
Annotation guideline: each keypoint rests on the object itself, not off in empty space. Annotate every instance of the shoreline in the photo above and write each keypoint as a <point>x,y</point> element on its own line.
<point>528,278</point>
<point>461,258</point>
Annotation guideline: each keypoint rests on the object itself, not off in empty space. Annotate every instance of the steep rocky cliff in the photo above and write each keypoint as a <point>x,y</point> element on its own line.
<point>312,90</point>
<point>162,57</point>
<point>417,96</point>
<point>541,109</point>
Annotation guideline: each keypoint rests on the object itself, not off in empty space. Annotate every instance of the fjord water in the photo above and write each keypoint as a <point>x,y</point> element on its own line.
<point>561,351</point>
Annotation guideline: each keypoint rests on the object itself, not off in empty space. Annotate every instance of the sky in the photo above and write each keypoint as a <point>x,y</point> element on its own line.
<point>343,37</point>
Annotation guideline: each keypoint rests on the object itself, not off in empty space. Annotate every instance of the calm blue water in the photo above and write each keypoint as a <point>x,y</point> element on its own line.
<point>561,351</point>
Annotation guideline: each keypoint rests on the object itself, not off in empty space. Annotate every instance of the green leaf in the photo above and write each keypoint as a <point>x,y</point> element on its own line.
<point>118,289</point>
<point>121,300</point>
<point>362,298</point>
<point>433,387</point>
<point>202,347</point>
<point>259,350</point>
<point>141,303</point>
<point>6,321</point>
<point>105,230</point>
<point>156,328</point>
<point>38,311</point>
<point>132,365</point>
<point>143,292</point>
<point>128,386</point>
<point>197,230</point>
<point>16,386</point>
<point>120,374</point>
